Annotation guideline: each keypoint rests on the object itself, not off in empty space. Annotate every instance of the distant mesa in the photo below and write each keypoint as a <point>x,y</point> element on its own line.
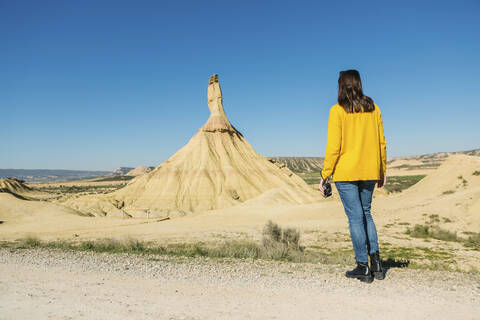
<point>301,164</point>
<point>122,171</point>
<point>50,175</point>
<point>216,169</point>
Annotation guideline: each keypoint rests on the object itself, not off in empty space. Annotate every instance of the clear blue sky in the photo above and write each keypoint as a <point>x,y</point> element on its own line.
<point>103,84</point>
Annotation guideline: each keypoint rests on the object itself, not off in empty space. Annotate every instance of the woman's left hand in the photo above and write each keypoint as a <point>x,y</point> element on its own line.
<point>382,181</point>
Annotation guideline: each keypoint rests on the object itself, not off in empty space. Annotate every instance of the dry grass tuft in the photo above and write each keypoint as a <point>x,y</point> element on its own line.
<point>276,237</point>
<point>30,242</point>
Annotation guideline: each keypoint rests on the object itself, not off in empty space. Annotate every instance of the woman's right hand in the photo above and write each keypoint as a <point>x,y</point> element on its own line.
<point>381,182</point>
<point>321,186</point>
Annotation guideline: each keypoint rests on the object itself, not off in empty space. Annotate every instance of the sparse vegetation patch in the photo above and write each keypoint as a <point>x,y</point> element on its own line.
<point>393,257</point>
<point>473,241</point>
<point>311,177</point>
<point>87,189</point>
<point>400,183</point>
<point>277,244</point>
<point>462,179</point>
<point>115,178</point>
<point>429,231</point>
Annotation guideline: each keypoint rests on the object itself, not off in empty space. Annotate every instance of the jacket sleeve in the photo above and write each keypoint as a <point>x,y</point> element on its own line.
<point>334,140</point>
<point>383,144</point>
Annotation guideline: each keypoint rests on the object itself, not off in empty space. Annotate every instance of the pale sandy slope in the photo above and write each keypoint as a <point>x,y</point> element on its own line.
<point>138,171</point>
<point>40,284</point>
<point>452,191</point>
<point>25,212</point>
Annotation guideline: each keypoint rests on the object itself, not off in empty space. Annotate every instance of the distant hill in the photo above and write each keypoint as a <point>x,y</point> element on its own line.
<point>430,160</point>
<point>315,164</point>
<point>296,164</point>
<point>475,152</point>
<point>122,171</point>
<point>301,164</point>
<point>46,175</point>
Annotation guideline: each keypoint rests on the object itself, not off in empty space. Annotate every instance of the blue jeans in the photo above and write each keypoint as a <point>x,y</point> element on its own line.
<point>357,198</point>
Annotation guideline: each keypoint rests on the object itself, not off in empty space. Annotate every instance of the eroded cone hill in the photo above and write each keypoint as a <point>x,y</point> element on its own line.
<point>216,169</point>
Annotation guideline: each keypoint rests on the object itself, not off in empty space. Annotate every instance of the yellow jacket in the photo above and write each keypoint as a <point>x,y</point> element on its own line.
<point>356,146</point>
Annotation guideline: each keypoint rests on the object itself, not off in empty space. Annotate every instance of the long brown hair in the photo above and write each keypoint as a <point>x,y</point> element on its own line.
<point>350,93</point>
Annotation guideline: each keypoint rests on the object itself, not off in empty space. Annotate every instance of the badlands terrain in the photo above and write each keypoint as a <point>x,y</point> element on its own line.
<point>191,238</point>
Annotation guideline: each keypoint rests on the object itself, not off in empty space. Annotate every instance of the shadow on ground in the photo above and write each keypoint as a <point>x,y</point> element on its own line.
<point>394,263</point>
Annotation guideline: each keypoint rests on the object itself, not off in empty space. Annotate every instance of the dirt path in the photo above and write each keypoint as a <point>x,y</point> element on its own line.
<point>51,284</point>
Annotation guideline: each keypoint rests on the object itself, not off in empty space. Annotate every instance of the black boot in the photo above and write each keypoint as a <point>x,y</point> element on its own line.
<point>376,266</point>
<point>361,272</point>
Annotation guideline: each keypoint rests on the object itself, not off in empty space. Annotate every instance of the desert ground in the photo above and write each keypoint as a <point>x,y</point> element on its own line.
<point>188,239</point>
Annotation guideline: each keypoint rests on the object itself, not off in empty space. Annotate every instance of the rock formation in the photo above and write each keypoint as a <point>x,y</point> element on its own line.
<point>217,168</point>
<point>15,187</point>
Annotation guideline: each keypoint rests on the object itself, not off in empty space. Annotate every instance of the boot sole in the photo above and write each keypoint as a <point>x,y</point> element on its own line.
<point>367,279</point>
<point>379,275</point>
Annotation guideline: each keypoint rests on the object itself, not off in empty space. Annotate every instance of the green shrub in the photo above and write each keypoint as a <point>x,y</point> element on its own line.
<point>429,231</point>
<point>419,231</point>
<point>30,242</point>
<point>473,241</point>
<point>434,218</point>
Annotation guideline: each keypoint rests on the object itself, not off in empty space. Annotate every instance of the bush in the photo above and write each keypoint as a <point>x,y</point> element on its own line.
<point>429,231</point>
<point>291,238</point>
<point>30,242</point>
<point>419,231</point>
<point>272,231</point>
<point>434,218</point>
<point>274,236</point>
<point>473,241</point>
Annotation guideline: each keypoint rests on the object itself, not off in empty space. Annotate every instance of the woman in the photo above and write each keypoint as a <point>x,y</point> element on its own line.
<point>356,158</point>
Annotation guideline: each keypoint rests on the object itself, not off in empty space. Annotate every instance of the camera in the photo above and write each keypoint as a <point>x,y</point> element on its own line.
<point>327,190</point>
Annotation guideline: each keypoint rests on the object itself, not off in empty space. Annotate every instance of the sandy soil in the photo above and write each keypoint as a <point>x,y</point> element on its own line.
<point>50,284</point>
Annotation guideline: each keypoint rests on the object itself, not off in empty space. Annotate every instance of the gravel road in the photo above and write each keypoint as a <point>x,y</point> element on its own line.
<point>54,284</point>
